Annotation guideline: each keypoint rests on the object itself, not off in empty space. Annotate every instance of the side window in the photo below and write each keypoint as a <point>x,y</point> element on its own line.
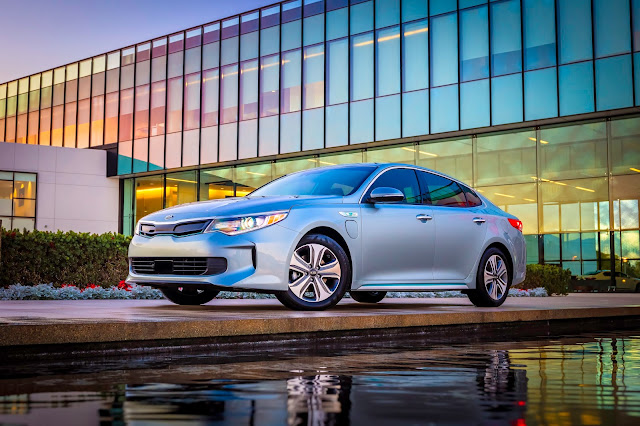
<point>472,198</point>
<point>442,191</point>
<point>402,179</point>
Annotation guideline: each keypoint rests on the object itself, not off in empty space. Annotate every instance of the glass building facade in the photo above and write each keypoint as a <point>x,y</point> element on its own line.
<point>531,102</point>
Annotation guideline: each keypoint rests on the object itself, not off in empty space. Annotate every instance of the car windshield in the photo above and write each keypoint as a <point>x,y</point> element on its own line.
<point>341,181</point>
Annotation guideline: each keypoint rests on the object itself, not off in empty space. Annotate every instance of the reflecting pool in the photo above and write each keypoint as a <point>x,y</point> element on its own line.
<point>589,379</point>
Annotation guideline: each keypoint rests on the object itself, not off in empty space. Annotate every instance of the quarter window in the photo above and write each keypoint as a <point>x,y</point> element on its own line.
<point>403,180</point>
<point>440,191</point>
<point>472,198</point>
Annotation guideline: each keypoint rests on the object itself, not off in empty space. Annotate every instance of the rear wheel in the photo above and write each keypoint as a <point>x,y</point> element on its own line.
<point>368,296</point>
<point>189,295</point>
<point>492,280</point>
<point>319,274</point>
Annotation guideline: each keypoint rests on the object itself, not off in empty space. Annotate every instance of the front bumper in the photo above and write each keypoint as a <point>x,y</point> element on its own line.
<point>256,260</point>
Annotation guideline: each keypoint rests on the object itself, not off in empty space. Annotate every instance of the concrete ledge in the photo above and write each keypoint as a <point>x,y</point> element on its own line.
<point>35,323</point>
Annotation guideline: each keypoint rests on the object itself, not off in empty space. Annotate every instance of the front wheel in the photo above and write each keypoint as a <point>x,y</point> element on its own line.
<point>189,295</point>
<point>368,296</point>
<point>319,274</point>
<point>492,280</point>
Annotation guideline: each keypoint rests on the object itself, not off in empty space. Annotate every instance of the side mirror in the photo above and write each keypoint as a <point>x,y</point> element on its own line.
<point>386,195</point>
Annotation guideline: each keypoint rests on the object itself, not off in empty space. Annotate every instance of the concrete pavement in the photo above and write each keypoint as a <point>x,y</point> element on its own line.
<point>34,323</point>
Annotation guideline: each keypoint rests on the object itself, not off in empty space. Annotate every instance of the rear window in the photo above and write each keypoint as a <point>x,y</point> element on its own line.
<point>441,191</point>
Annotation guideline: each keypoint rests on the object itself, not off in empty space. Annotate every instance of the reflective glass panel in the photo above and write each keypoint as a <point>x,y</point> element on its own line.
<point>361,67</point>
<point>625,146</point>
<point>415,56</point>
<point>574,30</point>
<point>291,81</point>
<point>180,188</point>
<point>506,158</point>
<point>540,94</point>
<point>614,88</point>
<point>444,50</point>
<point>210,94</point>
<point>313,76</point>
<point>313,30</point>
<point>337,23</point>
<point>249,90</point>
<point>444,109</point>
<point>361,116</point>
<point>612,27</point>
<point>452,157</point>
<point>192,101</point>
<point>337,125</point>
<point>174,105</point>
<point>158,103</point>
<point>414,9</point>
<point>229,94</point>
<point>337,69</point>
<point>576,88</point>
<point>388,121</point>
<point>506,99</point>
<point>474,104</point>
<point>388,61</point>
<point>361,17</point>
<point>216,184</point>
<point>539,33</point>
<point>474,44</point>
<point>291,35</point>
<point>141,127</point>
<point>506,56</point>
<point>573,151</point>
<point>415,113</point>
<point>269,85</point>
<point>387,13</point>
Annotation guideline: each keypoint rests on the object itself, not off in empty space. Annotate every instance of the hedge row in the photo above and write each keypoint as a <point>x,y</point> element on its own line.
<point>36,257</point>
<point>550,277</point>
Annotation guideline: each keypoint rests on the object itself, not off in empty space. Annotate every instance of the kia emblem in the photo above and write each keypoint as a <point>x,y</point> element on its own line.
<point>168,217</point>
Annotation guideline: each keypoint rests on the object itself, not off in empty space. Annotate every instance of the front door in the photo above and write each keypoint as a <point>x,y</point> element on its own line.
<point>397,238</point>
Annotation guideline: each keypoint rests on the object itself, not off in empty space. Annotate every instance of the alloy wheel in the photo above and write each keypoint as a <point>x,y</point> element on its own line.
<point>496,277</point>
<point>314,273</point>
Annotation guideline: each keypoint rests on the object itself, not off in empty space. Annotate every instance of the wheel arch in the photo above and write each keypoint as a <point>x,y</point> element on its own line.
<point>334,234</point>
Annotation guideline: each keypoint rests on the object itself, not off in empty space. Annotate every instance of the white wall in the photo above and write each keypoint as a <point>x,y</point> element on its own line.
<point>73,191</point>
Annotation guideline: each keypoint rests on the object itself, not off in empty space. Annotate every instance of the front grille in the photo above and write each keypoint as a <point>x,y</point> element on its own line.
<point>178,265</point>
<point>181,229</point>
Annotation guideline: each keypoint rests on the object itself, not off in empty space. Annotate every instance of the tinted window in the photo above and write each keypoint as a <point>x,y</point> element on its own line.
<point>403,180</point>
<point>340,181</point>
<point>442,191</point>
<point>472,198</point>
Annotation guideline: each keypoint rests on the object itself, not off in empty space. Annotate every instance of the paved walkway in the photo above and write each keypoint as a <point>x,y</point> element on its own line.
<point>93,321</point>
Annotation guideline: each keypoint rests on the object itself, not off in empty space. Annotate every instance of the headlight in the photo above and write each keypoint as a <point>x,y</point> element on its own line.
<point>136,230</point>
<point>242,224</point>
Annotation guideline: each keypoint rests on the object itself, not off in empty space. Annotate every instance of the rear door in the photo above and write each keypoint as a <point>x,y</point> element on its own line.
<point>460,229</point>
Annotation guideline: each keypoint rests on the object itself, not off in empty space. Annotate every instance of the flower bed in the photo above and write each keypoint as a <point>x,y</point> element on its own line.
<point>126,291</point>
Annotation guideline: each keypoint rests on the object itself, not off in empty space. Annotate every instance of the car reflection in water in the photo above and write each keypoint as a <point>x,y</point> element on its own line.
<point>490,391</point>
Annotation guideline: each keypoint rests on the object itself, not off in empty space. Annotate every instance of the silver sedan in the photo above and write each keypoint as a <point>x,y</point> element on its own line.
<point>309,237</point>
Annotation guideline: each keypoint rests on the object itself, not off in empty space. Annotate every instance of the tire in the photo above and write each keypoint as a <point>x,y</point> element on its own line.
<point>368,296</point>
<point>491,291</point>
<point>189,295</point>
<point>319,274</point>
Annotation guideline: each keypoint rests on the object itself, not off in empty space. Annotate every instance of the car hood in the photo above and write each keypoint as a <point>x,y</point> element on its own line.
<point>236,207</point>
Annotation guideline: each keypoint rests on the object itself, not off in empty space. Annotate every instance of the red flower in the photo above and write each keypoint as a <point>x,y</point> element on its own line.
<point>122,285</point>
<point>90,286</point>
<point>67,285</point>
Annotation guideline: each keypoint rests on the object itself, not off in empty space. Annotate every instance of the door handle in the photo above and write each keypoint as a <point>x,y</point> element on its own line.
<point>424,217</point>
<point>479,220</point>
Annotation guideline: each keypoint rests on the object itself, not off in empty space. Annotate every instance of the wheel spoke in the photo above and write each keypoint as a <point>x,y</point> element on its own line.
<point>316,254</point>
<point>503,286</point>
<point>330,270</point>
<point>502,269</point>
<point>494,290</point>
<point>298,264</point>
<point>300,286</point>
<point>321,290</point>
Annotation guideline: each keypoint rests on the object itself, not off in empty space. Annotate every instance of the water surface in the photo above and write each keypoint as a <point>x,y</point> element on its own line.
<point>590,379</point>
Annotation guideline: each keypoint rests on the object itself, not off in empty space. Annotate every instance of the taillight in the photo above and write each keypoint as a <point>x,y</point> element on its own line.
<point>516,224</point>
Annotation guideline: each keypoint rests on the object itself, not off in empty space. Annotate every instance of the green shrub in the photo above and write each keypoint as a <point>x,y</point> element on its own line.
<point>31,258</point>
<point>551,277</point>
